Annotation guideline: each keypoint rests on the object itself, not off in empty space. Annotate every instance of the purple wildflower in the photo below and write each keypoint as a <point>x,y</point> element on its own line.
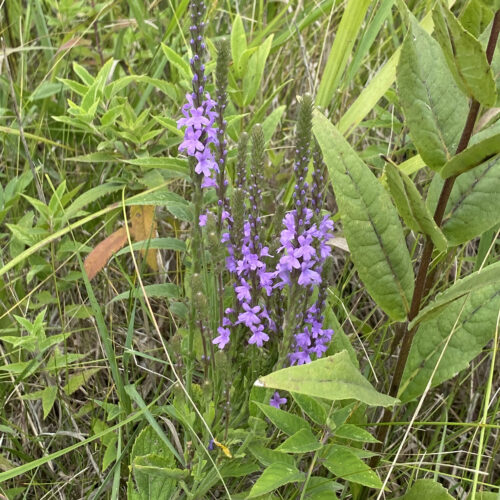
<point>277,401</point>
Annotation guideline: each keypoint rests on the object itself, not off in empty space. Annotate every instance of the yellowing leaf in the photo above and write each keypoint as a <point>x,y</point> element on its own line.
<point>224,449</point>
<point>143,228</point>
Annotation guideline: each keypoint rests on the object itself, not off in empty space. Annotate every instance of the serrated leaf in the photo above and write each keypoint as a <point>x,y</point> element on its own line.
<point>334,378</point>
<point>465,57</point>
<point>302,441</point>
<point>434,107</point>
<point>474,204</point>
<point>343,463</point>
<point>371,224</point>
<point>472,157</point>
<point>411,207</point>
<point>284,421</point>
<point>426,488</point>
<point>273,477</point>
<point>475,281</point>
<point>462,329</point>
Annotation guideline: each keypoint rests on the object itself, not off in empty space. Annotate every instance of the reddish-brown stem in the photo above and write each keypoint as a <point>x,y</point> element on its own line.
<point>422,284</point>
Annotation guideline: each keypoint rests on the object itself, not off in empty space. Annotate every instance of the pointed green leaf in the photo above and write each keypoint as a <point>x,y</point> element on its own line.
<point>273,477</point>
<point>371,224</point>
<point>238,44</point>
<point>434,107</point>
<point>312,408</point>
<point>334,378</point>
<point>426,488</point>
<point>255,70</point>
<point>348,30</point>
<point>354,433</point>
<point>472,157</point>
<point>464,327</point>
<point>487,276</point>
<point>284,421</point>
<point>169,290</point>
<point>411,207</point>
<point>302,441</point>
<point>343,463</point>
<point>465,57</point>
<point>474,204</point>
<point>177,61</point>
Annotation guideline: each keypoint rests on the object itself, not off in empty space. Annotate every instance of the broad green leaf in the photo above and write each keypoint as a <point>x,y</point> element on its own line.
<point>321,488</point>
<point>426,488</point>
<point>312,408</point>
<point>475,17</point>
<point>302,441</point>
<point>434,107</point>
<point>273,477</point>
<point>474,204</point>
<point>284,421</point>
<point>487,276</point>
<point>151,467</point>
<point>343,463</point>
<point>453,338</point>
<point>411,207</point>
<point>255,71</point>
<point>465,57</point>
<point>334,378</point>
<point>238,44</point>
<point>159,197</point>
<point>266,456</point>
<point>168,290</point>
<point>177,61</point>
<point>472,157</point>
<point>44,90</point>
<point>354,433</point>
<point>371,224</point>
<point>347,33</point>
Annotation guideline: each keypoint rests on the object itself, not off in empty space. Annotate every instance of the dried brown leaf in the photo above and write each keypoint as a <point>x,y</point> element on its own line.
<point>99,257</point>
<point>144,227</point>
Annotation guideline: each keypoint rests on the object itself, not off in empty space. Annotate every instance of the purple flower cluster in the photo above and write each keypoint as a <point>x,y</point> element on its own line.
<point>200,132</point>
<point>248,264</point>
<point>313,339</point>
<point>303,254</point>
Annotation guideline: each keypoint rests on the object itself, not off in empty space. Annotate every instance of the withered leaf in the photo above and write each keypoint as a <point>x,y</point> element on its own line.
<point>143,227</point>
<point>98,257</point>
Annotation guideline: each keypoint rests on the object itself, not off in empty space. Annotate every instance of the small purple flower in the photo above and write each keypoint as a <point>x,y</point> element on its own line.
<point>308,276</point>
<point>203,220</point>
<point>277,401</point>
<point>259,337</point>
<point>223,337</point>
<point>243,291</point>
<point>249,317</point>
<point>191,144</point>
<point>206,163</point>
